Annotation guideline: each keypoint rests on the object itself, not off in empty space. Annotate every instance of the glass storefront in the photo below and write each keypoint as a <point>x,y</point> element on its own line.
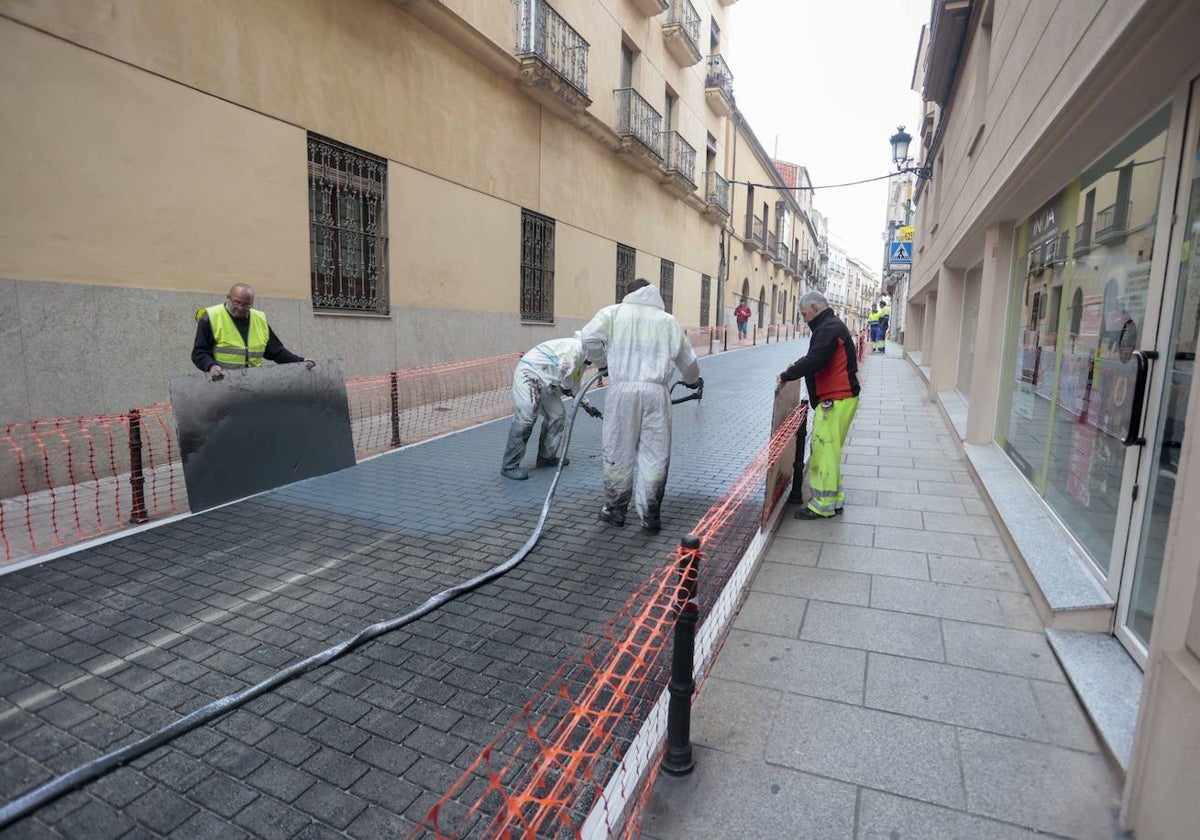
<point>1078,310</point>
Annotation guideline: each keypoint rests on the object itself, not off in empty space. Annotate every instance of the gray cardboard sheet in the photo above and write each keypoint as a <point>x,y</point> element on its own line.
<point>260,428</point>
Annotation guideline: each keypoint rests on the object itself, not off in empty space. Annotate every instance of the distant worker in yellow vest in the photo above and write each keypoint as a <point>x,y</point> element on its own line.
<point>234,335</point>
<point>885,313</point>
<point>874,334</point>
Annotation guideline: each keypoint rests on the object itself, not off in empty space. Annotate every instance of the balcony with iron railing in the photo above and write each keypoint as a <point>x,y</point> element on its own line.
<point>650,8</point>
<point>638,125</point>
<point>554,58</point>
<point>679,162</point>
<point>681,31</point>
<point>754,233</point>
<point>716,196</point>
<point>1112,220</point>
<point>718,86</point>
<point>772,249</point>
<point>785,258</point>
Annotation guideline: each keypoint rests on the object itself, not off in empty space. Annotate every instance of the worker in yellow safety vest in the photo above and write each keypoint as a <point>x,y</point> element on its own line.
<point>235,335</point>
<point>885,313</point>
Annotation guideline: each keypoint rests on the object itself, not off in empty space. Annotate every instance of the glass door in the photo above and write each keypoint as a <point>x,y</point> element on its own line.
<point>1176,346</point>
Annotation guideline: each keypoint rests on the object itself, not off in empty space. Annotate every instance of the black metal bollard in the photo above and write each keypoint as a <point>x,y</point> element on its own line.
<point>677,761</point>
<point>395,387</point>
<point>754,337</point>
<point>726,331</point>
<point>137,478</point>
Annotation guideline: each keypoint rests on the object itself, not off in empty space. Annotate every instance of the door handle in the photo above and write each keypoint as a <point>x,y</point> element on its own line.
<point>1142,357</point>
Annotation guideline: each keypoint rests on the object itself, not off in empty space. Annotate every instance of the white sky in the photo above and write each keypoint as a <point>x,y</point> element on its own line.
<point>824,83</point>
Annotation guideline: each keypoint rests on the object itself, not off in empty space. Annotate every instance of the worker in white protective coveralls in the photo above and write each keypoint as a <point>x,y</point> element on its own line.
<point>644,344</point>
<point>543,376</point>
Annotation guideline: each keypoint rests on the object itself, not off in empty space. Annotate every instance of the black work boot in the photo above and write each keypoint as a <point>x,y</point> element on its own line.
<point>551,462</point>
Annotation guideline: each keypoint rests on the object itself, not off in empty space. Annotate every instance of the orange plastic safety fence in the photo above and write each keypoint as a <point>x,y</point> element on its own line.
<point>542,776</point>
<point>72,479</point>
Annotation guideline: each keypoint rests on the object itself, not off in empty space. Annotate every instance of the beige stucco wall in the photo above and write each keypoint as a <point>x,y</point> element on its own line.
<point>115,176</point>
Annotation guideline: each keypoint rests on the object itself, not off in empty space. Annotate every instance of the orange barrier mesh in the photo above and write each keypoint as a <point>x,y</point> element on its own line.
<point>548,768</point>
<point>77,478</point>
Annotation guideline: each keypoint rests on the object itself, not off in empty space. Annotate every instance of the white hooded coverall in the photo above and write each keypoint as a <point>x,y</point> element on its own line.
<point>644,344</point>
<point>542,376</point>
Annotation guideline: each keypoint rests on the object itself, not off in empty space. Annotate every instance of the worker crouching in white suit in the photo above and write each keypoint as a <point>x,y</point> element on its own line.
<point>543,376</point>
<point>643,344</point>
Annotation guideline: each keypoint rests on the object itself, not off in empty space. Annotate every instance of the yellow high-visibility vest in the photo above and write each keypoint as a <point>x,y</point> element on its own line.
<point>873,317</point>
<point>228,348</point>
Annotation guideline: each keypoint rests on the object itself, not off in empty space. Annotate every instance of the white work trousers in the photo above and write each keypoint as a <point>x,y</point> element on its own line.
<point>636,438</point>
<point>532,396</point>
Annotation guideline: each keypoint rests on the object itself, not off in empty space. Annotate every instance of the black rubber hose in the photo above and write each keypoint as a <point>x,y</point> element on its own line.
<point>36,798</point>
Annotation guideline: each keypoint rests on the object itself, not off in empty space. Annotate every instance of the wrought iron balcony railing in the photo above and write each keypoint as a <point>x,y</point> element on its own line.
<point>718,76</point>
<point>684,15</point>
<point>716,190</point>
<point>678,155</point>
<point>772,244</point>
<point>1112,219</point>
<point>785,258</point>
<point>546,34</point>
<point>637,118</point>
<point>754,231</point>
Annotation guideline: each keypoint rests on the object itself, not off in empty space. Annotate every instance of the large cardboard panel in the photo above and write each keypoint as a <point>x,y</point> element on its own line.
<point>260,428</point>
<point>779,474</point>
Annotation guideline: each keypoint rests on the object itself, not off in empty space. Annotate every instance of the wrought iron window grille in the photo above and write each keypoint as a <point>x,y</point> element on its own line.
<point>666,283</point>
<point>348,241</point>
<point>537,267</point>
<point>626,268</point>
<point>705,292</point>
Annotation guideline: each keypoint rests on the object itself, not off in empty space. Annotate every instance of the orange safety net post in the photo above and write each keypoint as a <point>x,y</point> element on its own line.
<point>550,765</point>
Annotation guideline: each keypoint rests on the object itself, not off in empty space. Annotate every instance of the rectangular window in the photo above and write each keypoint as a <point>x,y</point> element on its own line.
<point>705,291</point>
<point>537,267</point>
<point>347,213</point>
<point>626,262</point>
<point>666,283</point>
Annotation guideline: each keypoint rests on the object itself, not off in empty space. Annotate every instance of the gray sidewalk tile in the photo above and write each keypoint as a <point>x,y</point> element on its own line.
<point>924,475</point>
<point>1066,723</point>
<point>792,550</point>
<point>993,548</point>
<point>794,666</point>
<point>1018,652</point>
<point>976,507</point>
<point>873,630</point>
<point>952,694</point>
<point>964,603</point>
<point>826,531</point>
<point>984,574</point>
<point>867,747</point>
<point>953,523</point>
<point>882,516</point>
<point>728,796</point>
<point>733,717</point>
<point>891,463</point>
<point>882,816</point>
<point>776,615</point>
<point>815,584</point>
<point>856,496</point>
<point>911,501</point>
<point>942,488</point>
<point>926,542</point>
<point>874,561</point>
<point>1043,787</point>
<point>861,470</point>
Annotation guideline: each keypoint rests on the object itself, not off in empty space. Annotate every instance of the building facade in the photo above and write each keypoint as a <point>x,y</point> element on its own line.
<point>402,182</point>
<point>1054,305</point>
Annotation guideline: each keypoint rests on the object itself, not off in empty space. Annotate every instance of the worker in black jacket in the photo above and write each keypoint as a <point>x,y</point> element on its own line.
<point>830,372</point>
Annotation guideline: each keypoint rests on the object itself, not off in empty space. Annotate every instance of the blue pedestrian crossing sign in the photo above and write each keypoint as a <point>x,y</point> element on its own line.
<point>899,256</point>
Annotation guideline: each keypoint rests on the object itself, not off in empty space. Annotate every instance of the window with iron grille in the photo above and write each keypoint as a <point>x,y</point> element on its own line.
<point>705,291</point>
<point>626,266</point>
<point>666,283</point>
<point>537,267</point>
<point>347,213</point>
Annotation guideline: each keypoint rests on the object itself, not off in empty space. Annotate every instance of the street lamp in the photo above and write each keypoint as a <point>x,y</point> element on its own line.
<point>900,142</point>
